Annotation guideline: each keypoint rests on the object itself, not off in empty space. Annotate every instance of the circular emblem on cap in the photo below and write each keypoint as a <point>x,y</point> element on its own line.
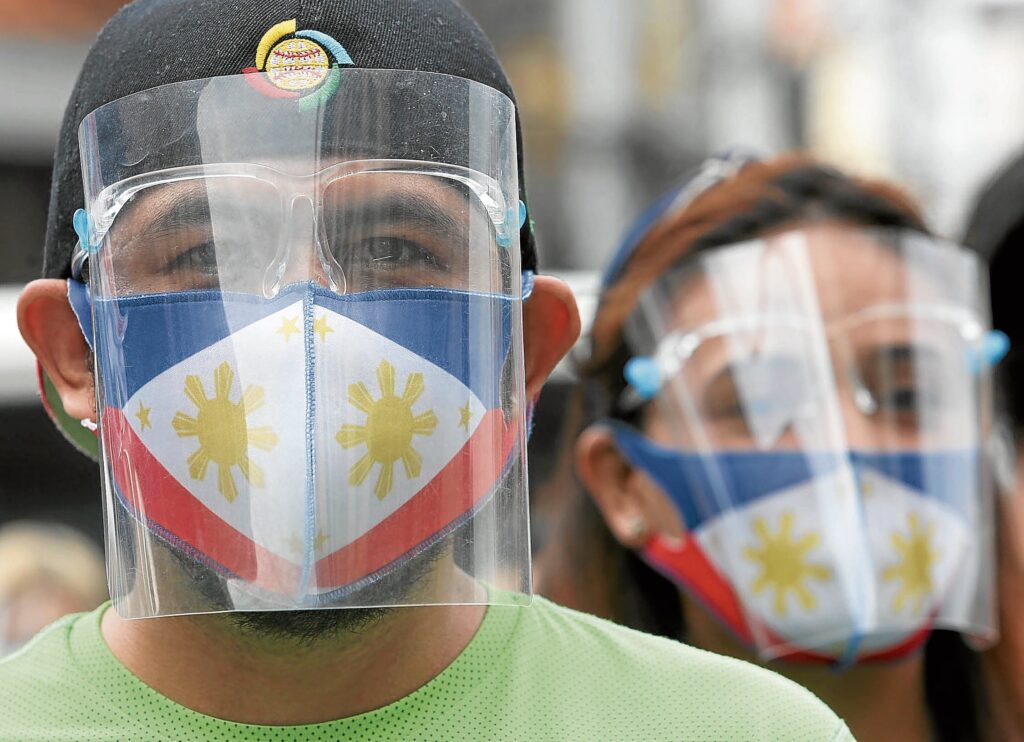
<point>295,64</point>
<point>298,64</point>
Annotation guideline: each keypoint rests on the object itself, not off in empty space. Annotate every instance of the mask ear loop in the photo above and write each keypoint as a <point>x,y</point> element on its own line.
<point>526,284</point>
<point>79,296</point>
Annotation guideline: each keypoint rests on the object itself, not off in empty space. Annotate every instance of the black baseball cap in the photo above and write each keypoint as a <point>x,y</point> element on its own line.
<point>156,42</point>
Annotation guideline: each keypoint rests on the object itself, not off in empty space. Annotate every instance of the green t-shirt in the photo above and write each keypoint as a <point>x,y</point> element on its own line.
<point>531,673</point>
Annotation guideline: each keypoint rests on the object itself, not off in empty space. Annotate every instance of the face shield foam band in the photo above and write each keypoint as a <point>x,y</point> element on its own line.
<point>309,345</point>
<point>820,401</point>
<point>711,172</point>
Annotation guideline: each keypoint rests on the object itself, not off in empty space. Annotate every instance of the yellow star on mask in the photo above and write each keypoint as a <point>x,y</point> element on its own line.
<point>296,545</point>
<point>321,328</point>
<point>914,570</point>
<point>784,565</point>
<point>321,539</point>
<point>223,432</point>
<point>289,327</point>
<point>143,415</point>
<point>465,417</point>
<point>389,430</point>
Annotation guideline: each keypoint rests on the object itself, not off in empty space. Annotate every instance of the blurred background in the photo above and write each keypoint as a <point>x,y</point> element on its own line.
<point>619,98</point>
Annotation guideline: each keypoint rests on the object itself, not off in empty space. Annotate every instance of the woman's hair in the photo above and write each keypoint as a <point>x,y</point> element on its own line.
<point>761,198</point>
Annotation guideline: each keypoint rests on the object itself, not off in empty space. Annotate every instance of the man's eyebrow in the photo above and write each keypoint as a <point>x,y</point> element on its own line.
<point>425,201</point>
<point>163,211</point>
<point>412,209</point>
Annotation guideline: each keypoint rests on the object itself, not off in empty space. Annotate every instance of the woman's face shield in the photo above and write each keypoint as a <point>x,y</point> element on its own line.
<point>308,338</point>
<point>825,394</point>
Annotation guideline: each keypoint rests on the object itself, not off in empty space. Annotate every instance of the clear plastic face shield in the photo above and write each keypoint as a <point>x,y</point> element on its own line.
<point>823,398</point>
<point>307,327</point>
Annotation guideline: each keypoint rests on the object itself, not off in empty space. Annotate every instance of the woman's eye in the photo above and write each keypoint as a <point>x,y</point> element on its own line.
<point>909,400</point>
<point>900,401</point>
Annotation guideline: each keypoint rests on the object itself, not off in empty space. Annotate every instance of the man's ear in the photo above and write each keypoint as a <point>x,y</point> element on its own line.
<point>551,324</point>
<point>51,330</point>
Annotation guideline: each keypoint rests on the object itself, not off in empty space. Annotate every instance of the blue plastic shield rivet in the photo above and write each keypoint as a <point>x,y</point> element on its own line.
<point>644,376</point>
<point>989,352</point>
<point>995,346</point>
<point>81,224</point>
<point>504,238</point>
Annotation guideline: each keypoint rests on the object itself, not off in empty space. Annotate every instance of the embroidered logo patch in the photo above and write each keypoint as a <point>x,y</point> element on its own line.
<point>297,64</point>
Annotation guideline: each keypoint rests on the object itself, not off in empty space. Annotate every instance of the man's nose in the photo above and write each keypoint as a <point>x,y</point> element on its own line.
<point>306,258</point>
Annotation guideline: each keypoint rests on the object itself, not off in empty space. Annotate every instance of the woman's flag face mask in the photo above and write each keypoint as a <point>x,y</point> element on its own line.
<point>308,345</point>
<point>822,401</point>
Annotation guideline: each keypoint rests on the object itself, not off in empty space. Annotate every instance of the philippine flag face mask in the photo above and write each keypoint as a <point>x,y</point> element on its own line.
<point>310,378</point>
<point>772,569</point>
<point>821,440</point>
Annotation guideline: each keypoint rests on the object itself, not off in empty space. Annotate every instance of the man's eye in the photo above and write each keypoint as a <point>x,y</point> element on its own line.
<point>201,258</point>
<point>389,253</point>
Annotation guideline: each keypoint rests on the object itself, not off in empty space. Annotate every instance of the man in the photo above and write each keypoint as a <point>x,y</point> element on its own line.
<point>304,273</point>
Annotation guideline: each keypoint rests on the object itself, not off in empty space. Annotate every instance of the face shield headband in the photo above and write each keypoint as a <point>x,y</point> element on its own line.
<point>310,377</point>
<point>820,440</point>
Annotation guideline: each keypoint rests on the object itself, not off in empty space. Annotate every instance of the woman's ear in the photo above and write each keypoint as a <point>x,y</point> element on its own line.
<point>613,484</point>
<point>51,330</point>
<point>551,324</point>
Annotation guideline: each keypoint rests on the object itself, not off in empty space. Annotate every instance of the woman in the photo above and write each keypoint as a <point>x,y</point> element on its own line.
<point>793,470</point>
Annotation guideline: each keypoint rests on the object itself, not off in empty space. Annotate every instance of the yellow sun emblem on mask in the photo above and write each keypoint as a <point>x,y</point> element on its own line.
<point>224,436</point>
<point>389,430</point>
<point>914,570</point>
<point>784,565</point>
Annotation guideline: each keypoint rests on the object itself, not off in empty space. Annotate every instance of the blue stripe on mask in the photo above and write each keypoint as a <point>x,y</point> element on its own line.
<point>702,486</point>
<point>466,334</point>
